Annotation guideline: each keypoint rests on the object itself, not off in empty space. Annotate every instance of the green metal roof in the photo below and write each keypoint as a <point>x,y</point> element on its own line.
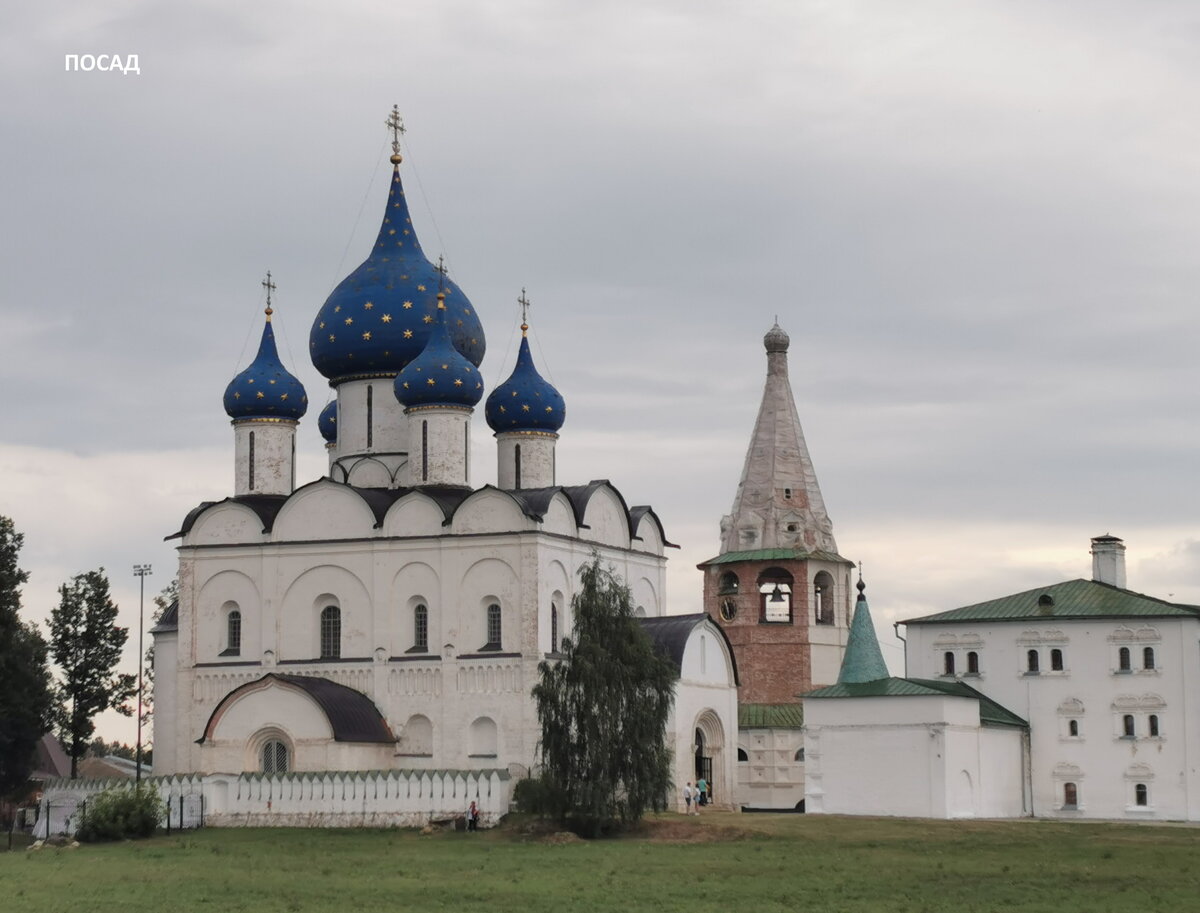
<point>776,554</point>
<point>863,660</point>
<point>1071,599</point>
<point>990,713</point>
<point>770,716</point>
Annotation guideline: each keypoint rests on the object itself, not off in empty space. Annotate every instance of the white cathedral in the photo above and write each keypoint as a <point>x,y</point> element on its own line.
<point>390,616</point>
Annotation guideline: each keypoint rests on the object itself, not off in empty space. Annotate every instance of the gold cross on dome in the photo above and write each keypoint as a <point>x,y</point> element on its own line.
<point>524,302</point>
<point>270,287</point>
<point>396,125</point>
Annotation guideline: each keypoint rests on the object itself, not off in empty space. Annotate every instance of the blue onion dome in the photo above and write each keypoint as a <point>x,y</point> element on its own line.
<point>380,317</point>
<point>526,401</point>
<point>266,389</point>
<point>440,375</point>
<point>327,422</point>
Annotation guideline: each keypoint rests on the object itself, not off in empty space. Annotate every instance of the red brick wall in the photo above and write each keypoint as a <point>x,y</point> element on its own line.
<point>773,658</point>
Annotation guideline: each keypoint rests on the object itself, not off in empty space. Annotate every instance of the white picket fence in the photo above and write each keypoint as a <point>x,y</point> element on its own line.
<point>368,798</point>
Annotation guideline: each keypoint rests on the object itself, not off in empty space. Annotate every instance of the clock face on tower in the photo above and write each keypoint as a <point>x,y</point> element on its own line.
<point>728,608</point>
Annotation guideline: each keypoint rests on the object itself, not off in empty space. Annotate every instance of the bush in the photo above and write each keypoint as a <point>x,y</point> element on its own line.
<point>533,796</point>
<point>121,814</point>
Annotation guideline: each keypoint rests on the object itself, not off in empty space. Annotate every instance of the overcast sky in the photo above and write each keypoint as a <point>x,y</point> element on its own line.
<point>976,220</point>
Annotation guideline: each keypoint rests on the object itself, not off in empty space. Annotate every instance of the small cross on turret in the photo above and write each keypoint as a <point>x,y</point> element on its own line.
<point>396,125</point>
<point>270,287</point>
<point>524,302</point>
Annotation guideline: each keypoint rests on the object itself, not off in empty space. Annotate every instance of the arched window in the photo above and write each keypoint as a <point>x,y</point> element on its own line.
<point>972,663</point>
<point>331,632</point>
<point>742,756</point>
<point>275,757</point>
<point>1127,728</point>
<point>1073,728</point>
<point>482,738</point>
<point>233,633</point>
<point>553,628</point>
<point>421,629</point>
<point>494,631</point>
<point>1141,794</point>
<point>1147,657</point>
<point>1033,662</point>
<point>1070,796</point>
<point>823,598</point>
<point>1056,660</point>
<point>728,585</point>
<point>775,595</point>
<point>1153,723</point>
<point>947,663</point>
<point>1123,663</point>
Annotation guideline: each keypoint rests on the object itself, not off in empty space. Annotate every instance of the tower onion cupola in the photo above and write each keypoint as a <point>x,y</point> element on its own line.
<point>440,375</point>
<point>526,401</point>
<point>526,412</point>
<point>380,317</point>
<point>266,403</point>
<point>327,422</point>
<point>266,389</point>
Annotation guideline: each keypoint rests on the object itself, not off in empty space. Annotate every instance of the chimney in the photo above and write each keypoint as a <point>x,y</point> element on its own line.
<point>1108,560</point>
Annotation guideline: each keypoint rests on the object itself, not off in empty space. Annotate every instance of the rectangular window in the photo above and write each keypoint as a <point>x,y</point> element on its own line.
<point>494,631</point>
<point>421,628</point>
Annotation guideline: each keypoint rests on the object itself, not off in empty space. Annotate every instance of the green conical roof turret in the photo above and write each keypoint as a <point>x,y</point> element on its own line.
<point>863,660</point>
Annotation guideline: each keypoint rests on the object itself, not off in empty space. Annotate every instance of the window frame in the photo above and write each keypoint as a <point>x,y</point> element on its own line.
<point>494,626</point>
<point>421,628</point>
<point>330,632</point>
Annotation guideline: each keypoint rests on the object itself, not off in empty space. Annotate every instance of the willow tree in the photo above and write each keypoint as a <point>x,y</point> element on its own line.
<point>603,709</point>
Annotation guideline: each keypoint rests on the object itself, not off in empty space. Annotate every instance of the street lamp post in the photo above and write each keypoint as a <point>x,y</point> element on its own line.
<point>141,571</point>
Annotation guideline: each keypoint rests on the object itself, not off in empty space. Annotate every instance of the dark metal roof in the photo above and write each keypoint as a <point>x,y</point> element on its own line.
<point>352,715</point>
<point>266,506</point>
<point>1071,599</point>
<point>669,634</point>
<point>990,713</point>
<point>169,620</point>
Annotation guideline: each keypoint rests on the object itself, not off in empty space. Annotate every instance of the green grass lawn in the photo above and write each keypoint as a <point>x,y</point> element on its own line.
<point>719,862</point>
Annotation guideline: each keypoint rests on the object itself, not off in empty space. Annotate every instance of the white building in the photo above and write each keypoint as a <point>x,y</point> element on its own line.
<point>391,616</point>
<point>1104,678</point>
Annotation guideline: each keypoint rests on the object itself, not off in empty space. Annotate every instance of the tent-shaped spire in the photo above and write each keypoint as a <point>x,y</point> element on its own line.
<point>863,660</point>
<point>778,502</point>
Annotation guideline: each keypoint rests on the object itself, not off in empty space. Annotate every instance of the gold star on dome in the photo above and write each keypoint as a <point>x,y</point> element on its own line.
<point>502,409</point>
<point>349,320</point>
<point>337,308</point>
<point>407,305</point>
<point>428,319</point>
<point>405,384</point>
<point>408,334</point>
<point>368,305</point>
<point>249,380</point>
<point>282,397</point>
<point>457,382</point>
<point>386,318</point>
<point>237,396</point>
<point>332,337</point>
<point>322,326</point>
<point>260,395</point>
<point>459,322</point>
<point>549,409</point>
<point>271,381</point>
<point>474,341</point>
<point>391,231</point>
<point>445,367</point>
<point>466,310</point>
<point>525,408</point>
<point>403,277</point>
<point>431,381</point>
<point>420,288</point>
<point>406,231</point>
<point>367,336</point>
<point>514,392</point>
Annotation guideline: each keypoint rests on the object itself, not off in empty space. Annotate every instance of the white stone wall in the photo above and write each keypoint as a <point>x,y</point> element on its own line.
<point>704,700</point>
<point>1100,760</point>
<point>909,756</point>
<point>264,456</point>
<point>439,446</point>
<point>771,776</point>
<point>387,439</point>
<point>371,798</point>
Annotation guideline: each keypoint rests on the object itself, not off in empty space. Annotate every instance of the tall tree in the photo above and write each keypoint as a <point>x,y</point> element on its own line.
<point>603,710</point>
<point>26,699</point>
<point>86,643</point>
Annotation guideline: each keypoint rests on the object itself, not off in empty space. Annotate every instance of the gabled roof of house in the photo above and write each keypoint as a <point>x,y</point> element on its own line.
<point>1070,599</point>
<point>990,713</point>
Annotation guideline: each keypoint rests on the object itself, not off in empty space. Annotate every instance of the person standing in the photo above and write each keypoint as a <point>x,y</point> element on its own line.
<point>687,797</point>
<point>701,793</point>
<point>473,817</point>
